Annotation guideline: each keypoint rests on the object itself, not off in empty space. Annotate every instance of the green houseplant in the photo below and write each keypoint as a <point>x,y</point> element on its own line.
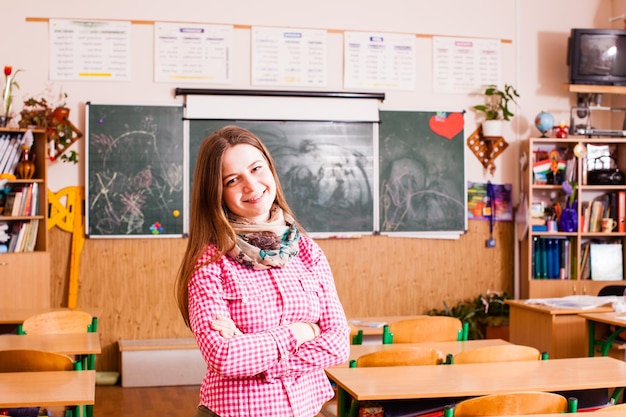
<point>480,313</point>
<point>496,108</point>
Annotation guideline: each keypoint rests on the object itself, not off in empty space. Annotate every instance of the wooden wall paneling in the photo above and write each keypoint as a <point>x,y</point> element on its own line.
<point>131,281</point>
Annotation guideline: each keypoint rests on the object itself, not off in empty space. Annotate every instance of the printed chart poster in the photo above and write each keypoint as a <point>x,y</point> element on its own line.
<point>288,57</point>
<point>89,50</point>
<point>477,201</point>
<point>461,65</point>
<point>379,61</point>
<point>192,53</point>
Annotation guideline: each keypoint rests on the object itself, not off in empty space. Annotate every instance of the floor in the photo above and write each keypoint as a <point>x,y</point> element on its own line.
<point>116,401</point>
<point>160,401</point>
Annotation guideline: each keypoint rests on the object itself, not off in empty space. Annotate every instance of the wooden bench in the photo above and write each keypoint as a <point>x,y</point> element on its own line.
<point>161,362</point>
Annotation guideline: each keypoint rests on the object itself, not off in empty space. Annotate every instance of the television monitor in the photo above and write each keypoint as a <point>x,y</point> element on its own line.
<point>597,56</point>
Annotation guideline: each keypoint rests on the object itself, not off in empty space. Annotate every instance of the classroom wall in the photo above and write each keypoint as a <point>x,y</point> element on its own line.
<point>131,281</point>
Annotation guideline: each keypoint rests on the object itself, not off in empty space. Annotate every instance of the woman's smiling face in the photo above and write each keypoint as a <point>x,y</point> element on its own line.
<point>248,184</point>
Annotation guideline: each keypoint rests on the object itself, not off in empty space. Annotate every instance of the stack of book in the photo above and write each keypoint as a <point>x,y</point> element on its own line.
<point>10,151</point>
<point>23,236</point>
<point>22,201</point>
<point>552,258</point>
<point>611,205</point>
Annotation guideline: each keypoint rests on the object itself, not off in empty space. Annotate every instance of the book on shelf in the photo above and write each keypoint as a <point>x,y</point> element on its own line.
<point>19,244</point>
<point>12,202</point>
<point>621,211</point>
<point>27,195</point>
<point>7,154</point>
<point>34,203</point>
<point>585,271</point>
<point>4,144</point>
<point>15,231</point>
<point>31,236</point>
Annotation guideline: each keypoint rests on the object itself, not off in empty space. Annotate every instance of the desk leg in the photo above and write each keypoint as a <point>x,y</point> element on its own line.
<point>591,326</point>
<point>342,397</point>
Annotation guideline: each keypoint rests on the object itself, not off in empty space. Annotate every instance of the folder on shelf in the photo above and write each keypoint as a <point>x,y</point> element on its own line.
<point>621,211</point>
<point>606,261</point>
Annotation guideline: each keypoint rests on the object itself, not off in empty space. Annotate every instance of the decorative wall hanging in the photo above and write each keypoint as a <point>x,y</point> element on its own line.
<point>486,149</point>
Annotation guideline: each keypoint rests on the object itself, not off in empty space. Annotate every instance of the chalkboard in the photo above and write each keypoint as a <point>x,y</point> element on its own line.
<point>421,172</point>
<point>135,171</point>
<point>326,169</point>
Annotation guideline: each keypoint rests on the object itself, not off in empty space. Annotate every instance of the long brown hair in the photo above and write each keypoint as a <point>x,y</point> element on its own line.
<point>208,222</point>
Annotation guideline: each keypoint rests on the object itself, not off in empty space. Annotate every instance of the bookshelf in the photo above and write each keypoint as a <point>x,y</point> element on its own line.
<point>556,260</point>
<point>26,272</point>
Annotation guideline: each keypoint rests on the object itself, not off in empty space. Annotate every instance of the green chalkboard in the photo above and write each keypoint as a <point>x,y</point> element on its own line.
<point>326,169</point>
<point>135,170</point>
<point>422,172</point>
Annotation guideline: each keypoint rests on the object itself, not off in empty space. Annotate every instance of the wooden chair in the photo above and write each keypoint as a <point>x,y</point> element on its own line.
<point>499,353</point>
<point>401,356</point>
<point>426,329</point>
<point>59,321</point>
<point>396,356</point>
<point>62,322</point>
<point>615,408</point>
<point>513,403</point>
<point>28,360</point>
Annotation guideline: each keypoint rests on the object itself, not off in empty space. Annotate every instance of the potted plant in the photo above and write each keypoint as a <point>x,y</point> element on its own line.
<point>492,314</point>
<point>482,313</point>
<point>496,108</point>
<point>55,119</point>
<point>465,311</point>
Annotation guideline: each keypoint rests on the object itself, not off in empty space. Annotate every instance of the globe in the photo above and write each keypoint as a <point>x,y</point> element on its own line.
<point>544,121</point>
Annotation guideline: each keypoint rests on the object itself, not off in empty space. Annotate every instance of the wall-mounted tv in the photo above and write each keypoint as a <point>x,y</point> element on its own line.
<point>597,56</point>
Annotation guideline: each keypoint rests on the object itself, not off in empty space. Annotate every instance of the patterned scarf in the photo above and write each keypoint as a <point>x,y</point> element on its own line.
<point>269,245</point>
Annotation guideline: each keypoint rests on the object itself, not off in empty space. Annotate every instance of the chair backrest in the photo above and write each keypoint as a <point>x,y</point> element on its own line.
<point>498,353</point>
<point>615,408</point>
<point>60,321</point>
<point>426,329</point>
<point>514,403</point>
<point>612,290</point>
<point>401,356</point>
<point>28,360</point>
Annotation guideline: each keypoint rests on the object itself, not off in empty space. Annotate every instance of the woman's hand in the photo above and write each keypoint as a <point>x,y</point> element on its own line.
<point>305,331</point>
<point>226,327</point>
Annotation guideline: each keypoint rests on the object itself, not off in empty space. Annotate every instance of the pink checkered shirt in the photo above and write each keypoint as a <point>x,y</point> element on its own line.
<point>262,373</point>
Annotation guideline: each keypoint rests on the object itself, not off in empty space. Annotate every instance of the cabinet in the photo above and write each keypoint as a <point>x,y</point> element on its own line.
<point>25,276</point>
<point>572,247</point>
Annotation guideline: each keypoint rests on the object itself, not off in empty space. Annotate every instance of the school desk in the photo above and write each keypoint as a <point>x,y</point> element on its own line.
<point>444,347</point>
<point>59,388</point>
<point>560,332</point>
<point>466,380</point>
<point>610,319</point>
<point>68,344</point>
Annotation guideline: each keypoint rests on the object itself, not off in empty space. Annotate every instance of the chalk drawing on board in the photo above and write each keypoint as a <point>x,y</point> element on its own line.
<point>421,172</point>
<point>326,169</point>
<point>135,173</point>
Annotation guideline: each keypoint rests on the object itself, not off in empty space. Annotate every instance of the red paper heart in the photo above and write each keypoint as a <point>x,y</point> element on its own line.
<point>449,126</point>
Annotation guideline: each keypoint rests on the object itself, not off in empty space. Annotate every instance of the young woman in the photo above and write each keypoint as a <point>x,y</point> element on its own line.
<point>256,291</point>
